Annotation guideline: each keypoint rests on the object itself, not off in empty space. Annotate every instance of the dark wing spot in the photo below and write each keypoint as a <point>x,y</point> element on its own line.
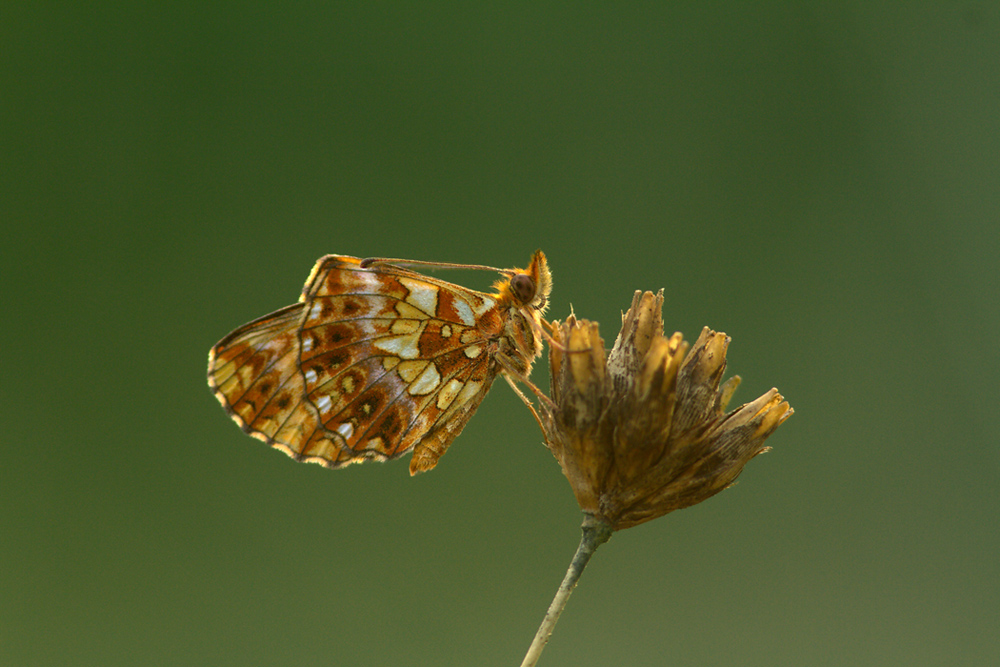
<point>372,403</point>
<point>257,363</point>
<point>336,335</point>
<point>331,360</point>
<point>390,427</point>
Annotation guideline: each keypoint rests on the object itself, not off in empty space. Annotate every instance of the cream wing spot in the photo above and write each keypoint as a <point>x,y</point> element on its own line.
<point>325,448</point>
<point>409,370</point>
<point>465,312</point>
<point>388,363</point>
<point>473,351</point>
<point>246,376</point>
<point>315,311</point>
<point>228,388</point>
<point>367,281</point>
<point>446,331</point>
<point>404,346</point>
<point>402,326</point>
<point>366,328</point>
<point>448,393</point>
<point>324,403</point>
<point>470,389</point>
<point>408,312</point>
<point>345,429</point>
<point>483,305</point>
<point>427,381</point>
<point>422,295</point>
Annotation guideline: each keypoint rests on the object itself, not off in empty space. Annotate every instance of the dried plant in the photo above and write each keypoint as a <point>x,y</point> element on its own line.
<point>643,431</point>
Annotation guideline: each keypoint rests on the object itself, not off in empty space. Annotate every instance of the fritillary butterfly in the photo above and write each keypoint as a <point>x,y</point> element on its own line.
<point>376,360</point>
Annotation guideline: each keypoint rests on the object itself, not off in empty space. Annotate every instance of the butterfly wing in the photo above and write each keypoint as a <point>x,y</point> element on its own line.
<point>372,362</point>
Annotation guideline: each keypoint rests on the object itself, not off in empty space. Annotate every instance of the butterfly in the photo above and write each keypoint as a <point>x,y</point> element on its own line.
<point>376,360</point>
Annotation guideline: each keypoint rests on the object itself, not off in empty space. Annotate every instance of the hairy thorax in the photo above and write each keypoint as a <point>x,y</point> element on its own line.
<point>518,342</point>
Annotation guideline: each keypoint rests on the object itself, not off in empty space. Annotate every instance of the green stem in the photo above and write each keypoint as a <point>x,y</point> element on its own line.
<point>595,533</point>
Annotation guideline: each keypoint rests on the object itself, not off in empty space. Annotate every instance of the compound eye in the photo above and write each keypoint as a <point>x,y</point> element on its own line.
<point>523,287</point>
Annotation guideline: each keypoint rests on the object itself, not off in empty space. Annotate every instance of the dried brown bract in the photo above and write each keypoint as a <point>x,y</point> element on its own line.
<point>643,431</point>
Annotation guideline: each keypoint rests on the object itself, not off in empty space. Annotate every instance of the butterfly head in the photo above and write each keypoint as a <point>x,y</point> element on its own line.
<point>527,288</point>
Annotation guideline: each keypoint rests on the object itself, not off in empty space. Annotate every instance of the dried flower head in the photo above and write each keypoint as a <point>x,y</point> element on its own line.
<point>644,431</point>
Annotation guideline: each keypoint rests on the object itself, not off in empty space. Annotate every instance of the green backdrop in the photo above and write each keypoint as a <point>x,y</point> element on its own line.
<point>819,181</point>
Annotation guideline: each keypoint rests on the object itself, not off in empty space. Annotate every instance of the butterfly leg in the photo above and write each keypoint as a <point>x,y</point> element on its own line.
<point>510,373</point>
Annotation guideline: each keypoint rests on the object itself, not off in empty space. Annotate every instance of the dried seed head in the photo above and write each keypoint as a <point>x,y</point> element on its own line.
<point>644,431</point>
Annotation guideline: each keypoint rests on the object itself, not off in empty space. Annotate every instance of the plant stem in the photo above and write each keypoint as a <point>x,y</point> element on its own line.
<point>595,533</point>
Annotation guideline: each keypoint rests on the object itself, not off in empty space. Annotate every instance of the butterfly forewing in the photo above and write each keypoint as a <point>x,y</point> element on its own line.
<point>372,362</point>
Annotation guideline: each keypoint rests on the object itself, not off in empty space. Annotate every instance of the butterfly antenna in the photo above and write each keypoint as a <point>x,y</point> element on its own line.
<point>382,261</point>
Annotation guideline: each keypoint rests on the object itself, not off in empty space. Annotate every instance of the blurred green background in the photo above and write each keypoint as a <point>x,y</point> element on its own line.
<point>820,181</point>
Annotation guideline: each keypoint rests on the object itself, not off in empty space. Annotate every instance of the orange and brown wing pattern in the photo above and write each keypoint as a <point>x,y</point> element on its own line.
<point>373,362</point>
